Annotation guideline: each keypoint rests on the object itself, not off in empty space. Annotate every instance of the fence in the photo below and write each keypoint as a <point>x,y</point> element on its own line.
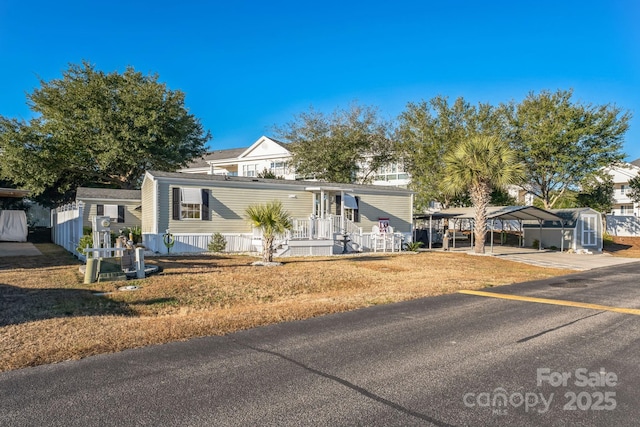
<point>196,242</point>
<point>66,226</point>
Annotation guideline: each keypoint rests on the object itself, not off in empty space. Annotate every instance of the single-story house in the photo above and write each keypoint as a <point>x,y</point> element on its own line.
<point>581,229</point>
<point>194,206</point>
<point>124,207</point>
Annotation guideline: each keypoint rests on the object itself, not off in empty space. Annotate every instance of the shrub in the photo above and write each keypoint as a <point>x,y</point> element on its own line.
<point>86,240</point>
<point>218,243</point>
<point>135,231</point>
<point>536,244</point>
<point>607,239</point>
<point>412,246</point>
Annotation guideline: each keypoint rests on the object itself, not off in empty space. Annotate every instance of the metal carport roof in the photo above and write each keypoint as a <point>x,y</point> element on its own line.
<point>524,213</point>
<point>518,213</point>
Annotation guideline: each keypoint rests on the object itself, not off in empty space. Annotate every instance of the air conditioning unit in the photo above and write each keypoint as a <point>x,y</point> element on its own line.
<point>101,223</point>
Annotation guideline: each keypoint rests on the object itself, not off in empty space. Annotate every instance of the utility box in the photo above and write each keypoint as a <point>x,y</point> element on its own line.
<point>101,223</point>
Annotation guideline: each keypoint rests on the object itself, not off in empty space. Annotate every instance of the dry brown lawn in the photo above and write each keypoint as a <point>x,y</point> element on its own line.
<point>48,315</point>
<point>628,247</point>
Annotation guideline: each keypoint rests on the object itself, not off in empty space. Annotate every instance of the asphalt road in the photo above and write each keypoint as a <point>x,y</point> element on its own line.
<point>453,360</point>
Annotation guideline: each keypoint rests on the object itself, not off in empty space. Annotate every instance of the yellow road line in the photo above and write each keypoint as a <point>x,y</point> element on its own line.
<point>623,310</point>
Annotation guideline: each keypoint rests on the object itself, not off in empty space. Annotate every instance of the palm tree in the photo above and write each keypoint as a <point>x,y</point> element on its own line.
<point>478,165</point>
<point>272,219</point>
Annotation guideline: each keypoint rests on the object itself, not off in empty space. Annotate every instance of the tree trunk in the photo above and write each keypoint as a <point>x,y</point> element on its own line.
<point>480,196</point>
<point>267,248</point>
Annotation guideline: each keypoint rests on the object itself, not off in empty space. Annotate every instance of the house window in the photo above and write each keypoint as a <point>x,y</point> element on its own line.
<point>190,204</point>
<point>190,211</point>
<point>626,210</point>
<point>391,172</point>
<point>278,167</point>
<point>351,207</point>
<point>115,212</point>
<point>250,170</point>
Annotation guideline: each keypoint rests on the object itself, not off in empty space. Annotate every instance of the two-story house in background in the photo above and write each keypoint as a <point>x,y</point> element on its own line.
<point>270,155</point>
<point>623,205</point>
<point>624,217</point>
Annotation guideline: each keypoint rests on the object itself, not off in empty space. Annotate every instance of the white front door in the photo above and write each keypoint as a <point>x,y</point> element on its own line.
<point>589,229</point>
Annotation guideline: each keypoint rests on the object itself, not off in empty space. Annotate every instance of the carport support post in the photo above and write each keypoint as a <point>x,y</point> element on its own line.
<point>430,230</point>
<point>454,233</point>
<point>540,241</point>
<point>473,231</point>
<point>562,237</point>
<point>520,235</point>
<point>493,223</point>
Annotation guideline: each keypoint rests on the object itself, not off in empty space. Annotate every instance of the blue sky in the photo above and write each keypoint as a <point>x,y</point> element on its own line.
<point>246,66</point>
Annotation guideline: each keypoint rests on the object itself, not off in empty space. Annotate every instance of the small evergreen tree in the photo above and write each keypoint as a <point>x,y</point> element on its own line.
<point>218,243</point>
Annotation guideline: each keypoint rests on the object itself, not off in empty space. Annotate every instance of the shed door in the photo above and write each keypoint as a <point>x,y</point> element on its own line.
<point>589,229</point>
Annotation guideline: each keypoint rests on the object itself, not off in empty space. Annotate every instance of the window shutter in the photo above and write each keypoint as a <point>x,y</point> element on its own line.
<point>338,203</point>
<point>120,213</point>
<point>204,215</point>
<point>99,210</point>
<point>176,204</point>
<point>356,212</point>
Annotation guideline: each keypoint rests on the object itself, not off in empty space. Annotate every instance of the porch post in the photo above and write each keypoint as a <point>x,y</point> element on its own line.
<point>430,229</point>
<point>562,237</point>
<point>322,204</point>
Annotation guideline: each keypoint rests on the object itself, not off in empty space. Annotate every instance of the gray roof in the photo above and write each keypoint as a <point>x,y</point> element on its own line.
<point>636,162</point>
<point>229,154</point>
<point>107,194</point>
<point>202,178</point>
<point>285,144</point>
<point>569,216</point>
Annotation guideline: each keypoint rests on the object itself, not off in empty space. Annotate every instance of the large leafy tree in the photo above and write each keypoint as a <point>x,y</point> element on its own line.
<point>562,142</point>
<point>92,128</point>
<point>428,130</point>
<point>272,219</point>
<point>634,192</point>
<point>478,165</point>
<point>348,145</point>
<point>597,193</point>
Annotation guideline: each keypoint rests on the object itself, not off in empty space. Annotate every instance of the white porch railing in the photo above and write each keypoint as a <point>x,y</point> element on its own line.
<point>316,228</point>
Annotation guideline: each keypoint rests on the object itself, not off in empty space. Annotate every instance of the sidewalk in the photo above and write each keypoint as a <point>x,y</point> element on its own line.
<point>8,249</point>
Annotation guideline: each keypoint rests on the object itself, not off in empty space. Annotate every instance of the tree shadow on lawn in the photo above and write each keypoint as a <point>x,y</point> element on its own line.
<point>616,247</point>
<point>198,262</point>
<point>20,305</point>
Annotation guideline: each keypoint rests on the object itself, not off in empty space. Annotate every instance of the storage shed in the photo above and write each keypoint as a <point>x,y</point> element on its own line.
<point>582,230</point>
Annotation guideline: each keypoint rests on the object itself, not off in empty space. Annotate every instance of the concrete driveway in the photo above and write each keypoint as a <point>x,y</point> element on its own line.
<point>554,259</point>
<point>18,249</point>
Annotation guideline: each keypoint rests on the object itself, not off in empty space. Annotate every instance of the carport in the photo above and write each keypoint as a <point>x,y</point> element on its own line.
<point>503,213</point>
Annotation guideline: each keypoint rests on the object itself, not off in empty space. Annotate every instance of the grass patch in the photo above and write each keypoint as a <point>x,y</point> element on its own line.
<point>49,315</point>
